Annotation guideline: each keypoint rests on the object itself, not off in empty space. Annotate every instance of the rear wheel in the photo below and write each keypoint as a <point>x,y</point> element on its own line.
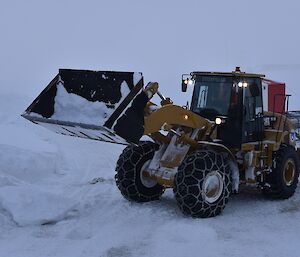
<point>130,179</point>
<point>202,184</point>
<point>283,179</point>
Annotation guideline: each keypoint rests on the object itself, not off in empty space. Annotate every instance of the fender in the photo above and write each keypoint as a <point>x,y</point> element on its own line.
<point>217,147</point>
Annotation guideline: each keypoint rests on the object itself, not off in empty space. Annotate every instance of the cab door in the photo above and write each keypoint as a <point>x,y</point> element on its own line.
<point>230,132</point>
<point>253,127</point>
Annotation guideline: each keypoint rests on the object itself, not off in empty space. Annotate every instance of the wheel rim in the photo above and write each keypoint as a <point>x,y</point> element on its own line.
<point>289,171</point>
<point>146,181</point>
<point>212,186</point>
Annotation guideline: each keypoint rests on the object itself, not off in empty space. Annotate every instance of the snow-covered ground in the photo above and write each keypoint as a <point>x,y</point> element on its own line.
<point>50,205</point>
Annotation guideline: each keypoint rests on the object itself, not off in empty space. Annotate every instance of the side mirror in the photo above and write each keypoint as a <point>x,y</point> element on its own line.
<point>254,90</point>
<point>183,85</point>
<point>186,80</point>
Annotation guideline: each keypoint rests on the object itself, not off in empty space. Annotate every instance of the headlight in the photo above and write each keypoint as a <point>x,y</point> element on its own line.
<point>218,121</point>
<point>243,84</point>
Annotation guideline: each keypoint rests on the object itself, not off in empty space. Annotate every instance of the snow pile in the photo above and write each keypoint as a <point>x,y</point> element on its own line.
<point>74,108</point>
<point>26,165</point>
<point>30,205</point>
<point>21,173</point>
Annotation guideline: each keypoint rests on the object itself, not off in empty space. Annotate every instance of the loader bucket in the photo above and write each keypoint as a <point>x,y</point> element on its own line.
<point>88,104</point>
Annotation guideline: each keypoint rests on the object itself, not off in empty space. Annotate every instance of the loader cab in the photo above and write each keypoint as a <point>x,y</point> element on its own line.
<point>236,99</point>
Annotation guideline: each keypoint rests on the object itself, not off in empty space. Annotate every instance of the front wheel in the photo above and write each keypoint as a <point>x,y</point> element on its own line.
<point>202,184</point>
<point>283,179</point>
<point>130,179</point>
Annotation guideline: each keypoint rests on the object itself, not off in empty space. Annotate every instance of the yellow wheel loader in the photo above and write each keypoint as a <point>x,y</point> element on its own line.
<point>237,130</point>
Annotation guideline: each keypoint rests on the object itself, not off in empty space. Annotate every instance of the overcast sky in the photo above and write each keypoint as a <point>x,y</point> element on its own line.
<point>161,38</point>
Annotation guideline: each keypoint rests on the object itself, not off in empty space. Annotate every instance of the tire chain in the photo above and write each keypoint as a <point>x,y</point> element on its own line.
<point>189,179</point>
<point>127,169</point>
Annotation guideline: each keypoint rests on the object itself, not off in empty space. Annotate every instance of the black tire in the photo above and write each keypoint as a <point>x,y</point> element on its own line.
<point>128,177</point>
<point>282,181</point>
<point>190,181</point>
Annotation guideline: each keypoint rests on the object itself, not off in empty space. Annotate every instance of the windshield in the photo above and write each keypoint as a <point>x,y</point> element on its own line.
<point>211,95</point>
